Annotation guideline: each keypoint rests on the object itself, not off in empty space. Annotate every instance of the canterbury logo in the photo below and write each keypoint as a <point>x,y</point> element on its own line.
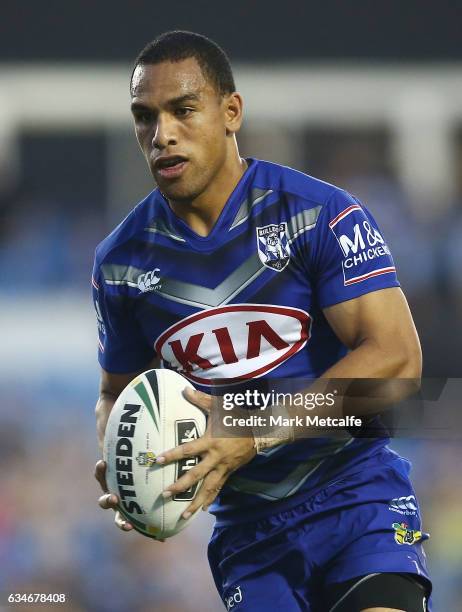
<point>149,281</point>
<point>404,503</point>
<point>234,599</point>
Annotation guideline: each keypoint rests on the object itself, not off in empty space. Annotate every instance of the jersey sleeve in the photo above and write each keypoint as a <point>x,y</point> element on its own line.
<point>122,348</point>
<point>349,256</point>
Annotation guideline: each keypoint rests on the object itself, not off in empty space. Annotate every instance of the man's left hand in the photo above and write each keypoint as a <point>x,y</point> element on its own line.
<point>220,457</point>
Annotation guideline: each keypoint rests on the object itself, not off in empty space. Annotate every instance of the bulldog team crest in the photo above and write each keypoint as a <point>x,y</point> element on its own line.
<point>273,246</point>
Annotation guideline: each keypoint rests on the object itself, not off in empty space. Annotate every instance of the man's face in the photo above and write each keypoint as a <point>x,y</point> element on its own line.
<point>180,124</point>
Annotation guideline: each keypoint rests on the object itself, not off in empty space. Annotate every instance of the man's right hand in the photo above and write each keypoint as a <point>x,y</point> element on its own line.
<point>109,500</point>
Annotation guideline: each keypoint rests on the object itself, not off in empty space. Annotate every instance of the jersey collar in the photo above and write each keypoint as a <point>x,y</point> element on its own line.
<point>226,217</point>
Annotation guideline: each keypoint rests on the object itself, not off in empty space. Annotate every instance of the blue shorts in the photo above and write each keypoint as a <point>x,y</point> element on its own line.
<point>366,523</point>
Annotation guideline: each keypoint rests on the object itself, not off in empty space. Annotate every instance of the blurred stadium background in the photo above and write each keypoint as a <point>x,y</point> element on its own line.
<point>372,102</point>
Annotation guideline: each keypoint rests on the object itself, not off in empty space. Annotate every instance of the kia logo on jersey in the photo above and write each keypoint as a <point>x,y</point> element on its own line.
<point>235,341</point>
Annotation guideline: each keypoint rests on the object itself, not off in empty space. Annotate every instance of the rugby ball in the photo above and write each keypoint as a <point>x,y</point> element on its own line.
<point>151,415</point>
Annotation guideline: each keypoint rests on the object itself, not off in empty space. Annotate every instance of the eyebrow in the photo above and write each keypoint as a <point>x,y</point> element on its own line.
<point>190,97</point>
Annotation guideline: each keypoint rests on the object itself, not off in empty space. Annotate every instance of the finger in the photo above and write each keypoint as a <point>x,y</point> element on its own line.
<point>100,474</point>
<point>211,487</point>
<point>122,523</point>
<point>192,476</point>
<point>108,501</point>
<point>189,449</point>
<point>199,399</point>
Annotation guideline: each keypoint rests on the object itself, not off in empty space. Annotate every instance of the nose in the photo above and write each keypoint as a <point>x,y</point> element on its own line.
<point>164,134</point>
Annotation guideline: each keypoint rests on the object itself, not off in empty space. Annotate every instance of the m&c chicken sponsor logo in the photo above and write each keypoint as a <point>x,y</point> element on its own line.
<point>364,251</point>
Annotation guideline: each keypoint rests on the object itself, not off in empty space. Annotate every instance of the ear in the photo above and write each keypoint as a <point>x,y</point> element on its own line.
<point>233,109</point>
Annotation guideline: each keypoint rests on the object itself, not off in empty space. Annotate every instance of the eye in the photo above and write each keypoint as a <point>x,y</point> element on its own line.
<point>144,117</point>
<point>182,111</point>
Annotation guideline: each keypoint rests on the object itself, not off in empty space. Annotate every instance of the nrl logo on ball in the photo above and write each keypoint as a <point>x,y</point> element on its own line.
<point>147,459</point>
<point>273,246</point>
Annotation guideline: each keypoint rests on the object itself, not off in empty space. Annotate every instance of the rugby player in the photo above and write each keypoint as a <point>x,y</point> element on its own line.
<point>238,268</point>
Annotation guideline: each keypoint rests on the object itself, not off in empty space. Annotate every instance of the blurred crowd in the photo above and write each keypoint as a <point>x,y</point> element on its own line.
<point>53,538</point>
<point>49,227</point>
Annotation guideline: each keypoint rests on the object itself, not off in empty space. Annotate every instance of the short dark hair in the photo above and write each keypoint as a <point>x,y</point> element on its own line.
<point>179,45</point>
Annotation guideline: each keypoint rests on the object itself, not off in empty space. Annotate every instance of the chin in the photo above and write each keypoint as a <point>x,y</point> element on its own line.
<point>177,192</point>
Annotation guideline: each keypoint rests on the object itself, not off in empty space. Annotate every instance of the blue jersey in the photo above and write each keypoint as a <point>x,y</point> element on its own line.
<point>245,302</point>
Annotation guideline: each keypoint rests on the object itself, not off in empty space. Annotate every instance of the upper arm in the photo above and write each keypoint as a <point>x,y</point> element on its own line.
<point>382,318</point>
<point>123,346</point>
<point>357,288</point>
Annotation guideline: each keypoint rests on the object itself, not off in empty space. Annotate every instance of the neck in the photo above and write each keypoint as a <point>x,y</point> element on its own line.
<point>202,212</point>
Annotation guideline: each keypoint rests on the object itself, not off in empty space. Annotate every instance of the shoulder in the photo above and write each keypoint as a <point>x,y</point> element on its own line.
<point>302,189</point>
<point>133,224</point>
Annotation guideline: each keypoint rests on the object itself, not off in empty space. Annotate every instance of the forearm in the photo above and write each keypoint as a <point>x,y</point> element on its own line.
<point>367,381</point>
<point>102,411</point>
<point>111,386</point>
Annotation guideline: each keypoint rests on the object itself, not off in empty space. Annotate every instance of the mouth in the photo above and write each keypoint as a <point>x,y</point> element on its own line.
<point>170,166</point>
